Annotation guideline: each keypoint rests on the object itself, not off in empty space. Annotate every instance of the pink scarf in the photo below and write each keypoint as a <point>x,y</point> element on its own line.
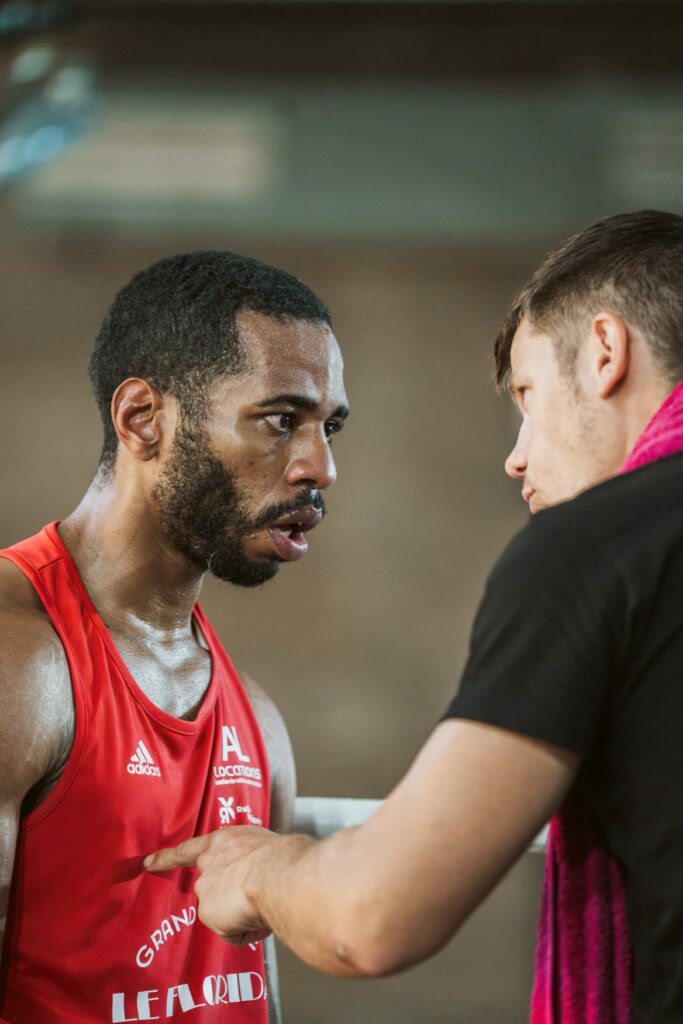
<point>584,961</point>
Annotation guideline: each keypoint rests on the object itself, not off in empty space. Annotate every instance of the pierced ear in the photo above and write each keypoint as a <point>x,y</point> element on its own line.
<point>610,339</point>
<point>136,410</point>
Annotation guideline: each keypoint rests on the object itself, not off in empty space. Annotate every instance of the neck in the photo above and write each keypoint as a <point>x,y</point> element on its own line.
<point>642,409</point>
<point>619,422</point>
<point>130,572</point>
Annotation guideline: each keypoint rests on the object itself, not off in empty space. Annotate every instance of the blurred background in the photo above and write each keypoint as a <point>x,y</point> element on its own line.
<point>411,162</point>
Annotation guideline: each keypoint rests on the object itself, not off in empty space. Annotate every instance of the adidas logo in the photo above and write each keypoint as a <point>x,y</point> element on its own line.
<point>141,763</point>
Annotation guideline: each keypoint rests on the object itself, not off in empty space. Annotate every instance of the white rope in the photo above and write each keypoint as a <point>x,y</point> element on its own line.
<point>319,816</point>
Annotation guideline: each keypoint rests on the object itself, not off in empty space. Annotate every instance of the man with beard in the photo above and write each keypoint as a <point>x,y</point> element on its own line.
<point>571,702</point>
<point>123,723</point>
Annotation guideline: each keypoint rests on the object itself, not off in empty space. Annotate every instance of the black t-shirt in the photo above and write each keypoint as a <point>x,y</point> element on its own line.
<point>579,642</point>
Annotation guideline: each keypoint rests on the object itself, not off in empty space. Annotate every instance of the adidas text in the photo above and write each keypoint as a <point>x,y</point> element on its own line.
<point>143,769</point>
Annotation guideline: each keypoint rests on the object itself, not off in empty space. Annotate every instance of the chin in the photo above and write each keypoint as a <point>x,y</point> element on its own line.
<point>538,504</point>
<point>248,574</point>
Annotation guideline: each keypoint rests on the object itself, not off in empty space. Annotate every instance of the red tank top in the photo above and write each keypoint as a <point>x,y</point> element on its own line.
<point>91,937</point>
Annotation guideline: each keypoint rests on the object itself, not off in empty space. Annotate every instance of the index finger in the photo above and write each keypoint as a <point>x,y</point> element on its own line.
<point>184,855</point>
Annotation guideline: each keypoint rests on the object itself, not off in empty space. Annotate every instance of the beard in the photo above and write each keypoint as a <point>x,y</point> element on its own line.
<point>203,512</point>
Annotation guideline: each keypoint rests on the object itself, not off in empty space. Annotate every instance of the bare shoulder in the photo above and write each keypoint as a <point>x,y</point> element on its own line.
<point>280,755</point>
<point>36,704</point>
<point>266,710</point>
<point>27,636</point>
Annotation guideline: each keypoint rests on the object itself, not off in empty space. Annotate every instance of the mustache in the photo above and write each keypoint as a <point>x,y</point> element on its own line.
<point>286,508</point>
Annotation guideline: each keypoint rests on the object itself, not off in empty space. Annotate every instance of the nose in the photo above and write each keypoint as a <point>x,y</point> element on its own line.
<point>516,462</point>
<point>312,464</point>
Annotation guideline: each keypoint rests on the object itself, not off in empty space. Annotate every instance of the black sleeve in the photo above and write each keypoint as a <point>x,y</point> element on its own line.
<point>544,643</point>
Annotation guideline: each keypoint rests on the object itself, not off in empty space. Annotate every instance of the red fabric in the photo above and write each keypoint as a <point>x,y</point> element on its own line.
<point>91,937</point>
<point>584,960</point>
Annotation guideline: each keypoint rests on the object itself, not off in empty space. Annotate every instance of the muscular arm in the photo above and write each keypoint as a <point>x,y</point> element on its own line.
<point>375,899</point>
<point>282,796</point>
<point>36,713</point>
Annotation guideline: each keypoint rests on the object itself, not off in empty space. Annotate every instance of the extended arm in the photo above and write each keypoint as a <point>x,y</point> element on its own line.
<point>373,900</point>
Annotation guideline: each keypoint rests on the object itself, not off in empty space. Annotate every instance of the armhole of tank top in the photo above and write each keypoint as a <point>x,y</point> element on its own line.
<point>61,787</point>
<point>214,641</point>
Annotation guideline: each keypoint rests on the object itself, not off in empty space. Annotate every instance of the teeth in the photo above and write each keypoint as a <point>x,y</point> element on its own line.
<point>287,531</point>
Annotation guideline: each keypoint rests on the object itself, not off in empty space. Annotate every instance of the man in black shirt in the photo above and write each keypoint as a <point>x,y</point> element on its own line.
<point>573,691</point>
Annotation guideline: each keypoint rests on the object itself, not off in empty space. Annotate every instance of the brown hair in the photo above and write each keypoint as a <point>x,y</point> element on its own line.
<point>630,264</point>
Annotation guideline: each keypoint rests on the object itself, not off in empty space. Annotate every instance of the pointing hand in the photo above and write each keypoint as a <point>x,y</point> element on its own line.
<point>226,860</point>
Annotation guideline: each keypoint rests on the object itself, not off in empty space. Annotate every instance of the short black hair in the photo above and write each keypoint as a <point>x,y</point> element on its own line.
<point>174,325</point>
<point>630,264</point>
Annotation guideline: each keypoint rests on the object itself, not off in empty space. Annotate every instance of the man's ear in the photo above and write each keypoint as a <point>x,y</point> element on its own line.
<point>137,411</point>
<point>610,343</point>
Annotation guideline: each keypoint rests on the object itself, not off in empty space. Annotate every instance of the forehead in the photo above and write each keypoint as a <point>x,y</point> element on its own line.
<point>297,354</point>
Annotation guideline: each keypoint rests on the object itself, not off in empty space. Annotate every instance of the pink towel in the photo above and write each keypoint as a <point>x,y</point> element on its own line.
<point>584,961</point>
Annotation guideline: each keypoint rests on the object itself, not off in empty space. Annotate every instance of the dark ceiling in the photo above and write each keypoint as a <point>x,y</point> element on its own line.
<point>476,40</point>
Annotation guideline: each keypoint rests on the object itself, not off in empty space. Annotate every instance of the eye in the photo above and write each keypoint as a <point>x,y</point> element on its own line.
<point>282,422</point>
<point>332,427</point>
<point>522,397</point>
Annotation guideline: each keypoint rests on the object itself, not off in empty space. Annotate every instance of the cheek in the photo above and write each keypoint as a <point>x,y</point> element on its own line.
<point>260,483</point>
<point>557,454</point>
<point>259,466</point>
<point>547,443</point>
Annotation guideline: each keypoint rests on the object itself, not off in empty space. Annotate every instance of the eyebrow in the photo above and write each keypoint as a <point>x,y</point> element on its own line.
<point>301,402</point>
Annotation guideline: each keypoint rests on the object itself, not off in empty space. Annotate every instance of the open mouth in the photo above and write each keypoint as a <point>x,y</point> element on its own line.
<point>288,532</point>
